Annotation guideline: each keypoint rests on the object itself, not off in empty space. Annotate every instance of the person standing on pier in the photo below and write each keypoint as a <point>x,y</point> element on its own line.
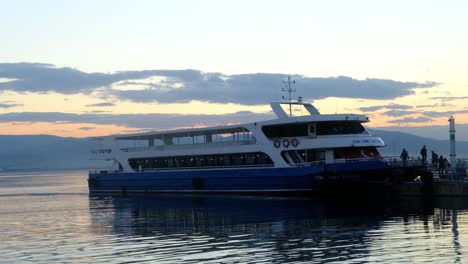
<point>404,157</point>
<point>434,159</point>
<point>424,154</point>
<point>447,165</point>
<point>441,164</point>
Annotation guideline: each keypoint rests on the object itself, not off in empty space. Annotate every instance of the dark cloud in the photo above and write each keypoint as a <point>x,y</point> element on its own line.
<point>96,111</point>
<point>9,104</point>
<point>435,105</point>
<point>443,113</point>
<point>420,119</point>
<point>260,88</point>
<point>41,77</point>
<point>147,121</point>
<point>397,113</point>
<point>87,128</point>
<point>378,107</point>
<point>449,98</point>
<point>187,85</point>
<point>371,108</point>
<point>432,131</point>
<point>398,106</point>
<point>103,104</point>
<point>430,114</point>
<point>436,113</point>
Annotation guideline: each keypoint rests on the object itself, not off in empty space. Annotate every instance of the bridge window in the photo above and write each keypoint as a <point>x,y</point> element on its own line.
<point>289,130</point>
<point>339,128</point>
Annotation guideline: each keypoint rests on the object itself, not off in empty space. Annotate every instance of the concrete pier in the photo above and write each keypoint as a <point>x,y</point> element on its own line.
<point>430,183</point>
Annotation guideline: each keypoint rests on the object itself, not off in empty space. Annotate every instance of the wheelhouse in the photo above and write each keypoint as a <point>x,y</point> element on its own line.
<point>312,129</point>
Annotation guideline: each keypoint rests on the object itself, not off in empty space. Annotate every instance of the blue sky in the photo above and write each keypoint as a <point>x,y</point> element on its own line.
<point>397,42</point>
<point>305,37</point>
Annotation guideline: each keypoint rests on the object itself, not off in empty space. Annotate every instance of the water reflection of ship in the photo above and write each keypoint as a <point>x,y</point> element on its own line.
<point>195,213</point>
<point>285,224</point>
<point>201,213</point>
<point>294,229</point>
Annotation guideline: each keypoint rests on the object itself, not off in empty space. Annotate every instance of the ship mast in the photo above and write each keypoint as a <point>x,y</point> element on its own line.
<point>288,88</point>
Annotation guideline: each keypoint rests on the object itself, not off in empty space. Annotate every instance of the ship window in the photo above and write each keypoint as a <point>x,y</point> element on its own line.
<point>250,159</point>
<point>225,160</point>
<point>236,159</point>
<point>312,128</point>
<point>289,130</point>
<point>339,128</point>
<point>311,155</point>
<point>211,161</point>
<point>202,161</point>
<point>182,140</point>
<point>223,137</point>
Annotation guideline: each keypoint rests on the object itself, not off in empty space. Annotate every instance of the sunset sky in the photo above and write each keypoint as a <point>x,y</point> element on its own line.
<point>87,68</point>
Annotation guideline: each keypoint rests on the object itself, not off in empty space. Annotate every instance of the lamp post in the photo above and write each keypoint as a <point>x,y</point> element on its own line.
<point>453,155</point>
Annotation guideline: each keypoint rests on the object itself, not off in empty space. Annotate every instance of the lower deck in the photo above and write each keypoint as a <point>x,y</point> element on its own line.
<point>289,179</point>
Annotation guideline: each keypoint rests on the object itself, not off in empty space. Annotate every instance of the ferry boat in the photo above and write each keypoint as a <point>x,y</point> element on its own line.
<point>288,154</point>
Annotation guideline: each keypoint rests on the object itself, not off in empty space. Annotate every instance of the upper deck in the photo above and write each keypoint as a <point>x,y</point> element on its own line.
<point>311,125</point>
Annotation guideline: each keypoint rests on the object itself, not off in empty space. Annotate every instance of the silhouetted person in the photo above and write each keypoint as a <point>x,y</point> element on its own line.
<point>434,159</point>
<point>404,157</point>
<point>447,165</point>
<point>424,154</point>
<point>441,164</point>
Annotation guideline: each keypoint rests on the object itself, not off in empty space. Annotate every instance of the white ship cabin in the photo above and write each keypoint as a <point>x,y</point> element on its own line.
<point>283,142</point>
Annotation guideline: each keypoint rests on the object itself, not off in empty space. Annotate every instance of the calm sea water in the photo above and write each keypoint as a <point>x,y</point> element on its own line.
<point>49,217</point>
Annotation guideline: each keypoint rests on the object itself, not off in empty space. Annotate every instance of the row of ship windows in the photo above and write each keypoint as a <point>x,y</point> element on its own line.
<point>221,160</point>
<point>271,131</point>
<point>308,129</point>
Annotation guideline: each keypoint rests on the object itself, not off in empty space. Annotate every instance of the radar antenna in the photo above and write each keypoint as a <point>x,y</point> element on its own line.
<point>288,88</point>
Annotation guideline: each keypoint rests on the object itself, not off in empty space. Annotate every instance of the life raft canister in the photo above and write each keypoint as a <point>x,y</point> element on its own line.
<point>285,143</point>
<point>277,143</point>
<point>295,142</point>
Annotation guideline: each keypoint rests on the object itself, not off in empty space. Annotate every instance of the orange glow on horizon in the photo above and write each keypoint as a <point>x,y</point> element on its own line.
<point>79,130</point>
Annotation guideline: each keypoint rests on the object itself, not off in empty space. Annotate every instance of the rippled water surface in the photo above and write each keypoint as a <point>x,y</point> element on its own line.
<point>49,217</point>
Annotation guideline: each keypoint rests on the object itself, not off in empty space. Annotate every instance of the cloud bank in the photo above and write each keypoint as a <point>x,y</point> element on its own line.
<point>187,85</point>
<point>449,98</point>
<point>145,121</point>
<point>379,107</point>
<point>9,104</point>
<point>420,119</point>
<point>103,104</point>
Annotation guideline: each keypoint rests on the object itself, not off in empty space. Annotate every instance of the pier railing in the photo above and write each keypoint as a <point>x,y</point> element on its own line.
<point>396,161</point>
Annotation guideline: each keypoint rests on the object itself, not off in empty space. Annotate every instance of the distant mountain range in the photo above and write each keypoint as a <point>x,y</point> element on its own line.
<point>43,152</point>
<point>396,141</point>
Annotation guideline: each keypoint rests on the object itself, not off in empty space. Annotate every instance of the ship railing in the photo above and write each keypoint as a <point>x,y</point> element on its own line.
<point>396,161</point>
<point>100,151</point>
<point>314,163</point>
<point>195,145</point>
<point>100,154</point>
<point>309,164</point>
<point>205,167</point>
<point>104,171</point>
<point>357,159</point>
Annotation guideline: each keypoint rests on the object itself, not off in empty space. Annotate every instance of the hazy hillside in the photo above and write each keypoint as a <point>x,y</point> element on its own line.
<point>45,152</point>
<point>396,141</point>
<point>51,152</point>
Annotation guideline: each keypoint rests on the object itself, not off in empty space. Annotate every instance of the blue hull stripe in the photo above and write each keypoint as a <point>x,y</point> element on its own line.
<point>229,180</point>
